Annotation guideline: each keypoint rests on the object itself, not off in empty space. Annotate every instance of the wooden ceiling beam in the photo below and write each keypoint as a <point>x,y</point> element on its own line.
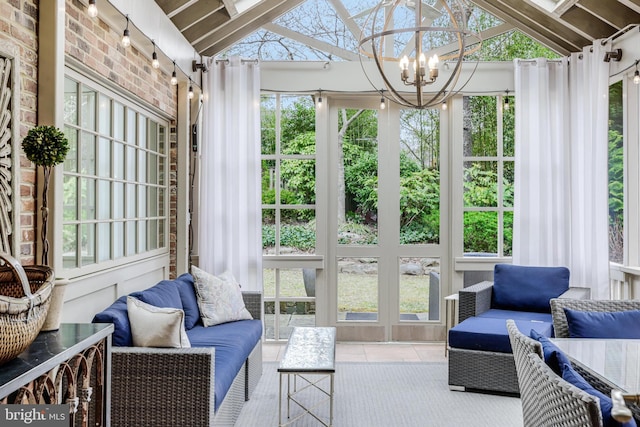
<point>596,28</point>
<point>618,17</point>
<point>171,6</point>
<point>537,31</point>
<point>196,13</point>
<point>203,27</point>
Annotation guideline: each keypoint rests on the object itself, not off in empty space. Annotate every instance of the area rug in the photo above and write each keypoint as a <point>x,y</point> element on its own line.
<point>353,315</point>
<point>385,395</point>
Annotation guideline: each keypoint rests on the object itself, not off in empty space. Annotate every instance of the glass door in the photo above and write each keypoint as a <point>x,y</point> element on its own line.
<point>385,254</point>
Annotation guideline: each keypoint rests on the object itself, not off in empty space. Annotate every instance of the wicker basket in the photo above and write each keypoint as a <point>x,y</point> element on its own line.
<point>25,294</point>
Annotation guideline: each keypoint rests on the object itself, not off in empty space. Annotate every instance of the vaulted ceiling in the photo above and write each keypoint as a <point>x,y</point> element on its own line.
<point>563,25</point>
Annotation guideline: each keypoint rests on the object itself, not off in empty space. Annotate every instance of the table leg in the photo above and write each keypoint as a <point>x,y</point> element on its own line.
<point>331,403</point>
<point>280,402</point>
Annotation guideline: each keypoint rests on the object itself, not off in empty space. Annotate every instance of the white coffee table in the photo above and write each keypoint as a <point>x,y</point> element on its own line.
<point>310,351</point>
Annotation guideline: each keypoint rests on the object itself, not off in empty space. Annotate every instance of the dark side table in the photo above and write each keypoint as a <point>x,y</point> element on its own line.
<point>69,366</point>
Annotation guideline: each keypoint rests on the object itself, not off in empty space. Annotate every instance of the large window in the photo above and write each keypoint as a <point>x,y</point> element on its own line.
<point>114,179</point>
<point>488,156</point>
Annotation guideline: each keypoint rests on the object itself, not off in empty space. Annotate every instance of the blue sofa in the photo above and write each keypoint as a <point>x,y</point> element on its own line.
<point>204,385</point>
<point>480,356</point>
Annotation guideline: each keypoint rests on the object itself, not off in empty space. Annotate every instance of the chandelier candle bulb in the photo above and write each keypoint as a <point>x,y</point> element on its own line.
<point>419,30</point>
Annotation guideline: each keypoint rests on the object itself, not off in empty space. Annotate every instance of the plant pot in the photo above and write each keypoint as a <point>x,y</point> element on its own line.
<point>54,315</point>
<point>309,279</point>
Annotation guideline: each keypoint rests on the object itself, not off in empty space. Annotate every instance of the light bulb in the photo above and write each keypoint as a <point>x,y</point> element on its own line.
<point>433,62</point>
<point>423,61</point>
<point>383,105</point>
<point>92,10</point>
<point>404,63</point>
<point>154,60</point>
<point>636,77</point>
<point>444,105</point>
<point>506,104</point>
<point>190,93</point>
<point>126,40</point>
<point>319,101</point>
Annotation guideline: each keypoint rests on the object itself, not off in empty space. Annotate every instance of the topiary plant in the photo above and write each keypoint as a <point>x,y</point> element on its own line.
<point>45,146</point>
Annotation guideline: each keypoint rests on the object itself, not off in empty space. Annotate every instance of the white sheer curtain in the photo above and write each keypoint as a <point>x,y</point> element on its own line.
<point>230,232</point>
<point>561,180</point>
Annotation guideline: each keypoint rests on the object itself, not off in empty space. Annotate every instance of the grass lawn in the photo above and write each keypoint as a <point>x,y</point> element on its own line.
<point>356,292</point>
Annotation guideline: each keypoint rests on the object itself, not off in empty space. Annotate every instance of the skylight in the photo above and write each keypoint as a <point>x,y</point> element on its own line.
<point>548,5</point>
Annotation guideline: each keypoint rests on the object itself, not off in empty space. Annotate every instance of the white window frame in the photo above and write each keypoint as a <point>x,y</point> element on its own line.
<point>162,184</point>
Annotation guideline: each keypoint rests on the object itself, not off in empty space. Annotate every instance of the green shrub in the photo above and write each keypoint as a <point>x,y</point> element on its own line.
<point>302,237</point>
<point>480,232</point>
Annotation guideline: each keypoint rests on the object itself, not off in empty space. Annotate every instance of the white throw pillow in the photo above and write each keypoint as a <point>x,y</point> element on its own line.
<point>219,300</point>
<point>153,326</point>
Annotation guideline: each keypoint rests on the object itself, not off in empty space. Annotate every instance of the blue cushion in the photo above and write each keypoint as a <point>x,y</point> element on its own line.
<point>490,334</point>
<point>521,288</point>
<point>571,376</point>
<point>117,314</point>
<point>517,315</point>
<point>609,324</point>
<point>553,356</point>
<point>189,302</point>
<point>233,342</point>
<point>163,294</point>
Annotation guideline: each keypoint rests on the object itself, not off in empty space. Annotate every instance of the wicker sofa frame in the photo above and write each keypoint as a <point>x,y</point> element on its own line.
<point>175,387</point>
<point>486,370</point>
<point>547,399</point>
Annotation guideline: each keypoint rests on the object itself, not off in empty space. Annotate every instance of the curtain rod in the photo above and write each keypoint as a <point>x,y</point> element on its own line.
<point>536,60</point>
<point>618,33</point>
<point>244,61</point>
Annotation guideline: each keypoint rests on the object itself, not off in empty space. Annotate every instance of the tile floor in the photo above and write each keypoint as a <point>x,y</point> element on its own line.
<point>371,352</point>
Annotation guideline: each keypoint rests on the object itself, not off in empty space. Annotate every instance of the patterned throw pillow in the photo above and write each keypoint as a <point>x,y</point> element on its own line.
<point>219,298</point>
<point>153,326</point>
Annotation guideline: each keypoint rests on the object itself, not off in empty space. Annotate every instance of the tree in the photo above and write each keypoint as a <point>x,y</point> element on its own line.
<point>346,121</point>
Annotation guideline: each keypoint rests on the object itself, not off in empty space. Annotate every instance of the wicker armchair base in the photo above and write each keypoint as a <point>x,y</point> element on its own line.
<point>482,371</point>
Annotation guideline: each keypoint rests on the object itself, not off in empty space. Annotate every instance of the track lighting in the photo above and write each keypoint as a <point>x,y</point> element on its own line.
<point>126,40</point>
<point>174,76</point>
<point>154,57</point>
<point>92,10</point>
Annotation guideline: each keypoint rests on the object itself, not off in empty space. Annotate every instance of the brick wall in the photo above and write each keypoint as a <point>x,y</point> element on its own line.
<point>93,43</point>
<point>18,23</point>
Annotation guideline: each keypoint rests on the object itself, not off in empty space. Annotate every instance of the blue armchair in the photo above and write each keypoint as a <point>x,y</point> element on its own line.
<point>480,356</point>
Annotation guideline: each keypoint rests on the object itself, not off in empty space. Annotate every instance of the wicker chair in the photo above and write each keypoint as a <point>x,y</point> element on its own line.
<point>561,329</point>
<point>547,399</point>
<point>486,370</point>
<point>558,305</point>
